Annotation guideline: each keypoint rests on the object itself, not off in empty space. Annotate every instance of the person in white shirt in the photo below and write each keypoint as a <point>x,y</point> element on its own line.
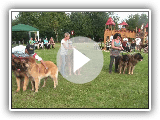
<point>111,38</point>
<point>19,49</point>
<point>63,52</point>
<point>138,42</point>
<point>125,39</point>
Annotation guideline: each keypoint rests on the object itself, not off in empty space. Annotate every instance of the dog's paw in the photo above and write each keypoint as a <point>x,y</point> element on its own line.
<point>36,91</point>
<point>32,89</point>
<point>17,90</point>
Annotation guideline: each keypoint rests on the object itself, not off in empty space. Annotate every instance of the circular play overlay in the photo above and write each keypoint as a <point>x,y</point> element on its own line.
<point>80,61</point>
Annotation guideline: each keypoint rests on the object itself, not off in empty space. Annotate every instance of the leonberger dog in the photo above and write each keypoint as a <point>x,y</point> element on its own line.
<point>20,70</point>
<point>142,46</point>
<point>123,61</point>
<point>38,72</point>
<point>133,60</point>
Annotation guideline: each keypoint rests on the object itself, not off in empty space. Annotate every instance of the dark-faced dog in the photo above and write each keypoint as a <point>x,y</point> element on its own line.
<point>19,69</point>
<point>142,46</point>
<point>133,60</point>
<point>123,63</point>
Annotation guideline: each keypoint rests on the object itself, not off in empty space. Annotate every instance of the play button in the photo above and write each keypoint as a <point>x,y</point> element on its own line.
<point>82,62</point>
<point>78,60</point>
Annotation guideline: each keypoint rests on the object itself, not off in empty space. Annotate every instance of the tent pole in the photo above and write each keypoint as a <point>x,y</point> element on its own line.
<point>29,34</point>
<point>38,35</point>
<point>29,37</point>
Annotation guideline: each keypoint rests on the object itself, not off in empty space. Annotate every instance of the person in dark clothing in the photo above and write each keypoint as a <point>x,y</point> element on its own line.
<point>30,51</point>
<point>124,45</point>
<point>115,51</point>
<point>133,44</point>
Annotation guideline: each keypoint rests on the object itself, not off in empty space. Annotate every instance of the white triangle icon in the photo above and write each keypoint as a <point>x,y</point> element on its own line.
<point>79,59</point>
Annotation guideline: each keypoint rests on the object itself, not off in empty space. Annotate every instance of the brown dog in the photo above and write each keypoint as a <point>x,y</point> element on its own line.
<point>142,46</point>
<point>123,63</point>
<point>19,69</point>
<point>37,72</point>
<point>133,60</point>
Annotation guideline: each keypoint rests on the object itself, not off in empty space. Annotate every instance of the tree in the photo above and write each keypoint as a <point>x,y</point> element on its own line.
<point>89,24</point>
<point>80,23</point>
<point>136,21</point>
<point>48,23</point>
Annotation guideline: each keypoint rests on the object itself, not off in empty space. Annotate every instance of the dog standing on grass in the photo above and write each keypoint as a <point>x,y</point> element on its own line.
<point>133,60</point>
<point>37,72</point>
<point>123,61</point>
<point>19,69</point>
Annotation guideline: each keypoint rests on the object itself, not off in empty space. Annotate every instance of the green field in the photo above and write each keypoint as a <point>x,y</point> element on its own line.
<point>105,91</point>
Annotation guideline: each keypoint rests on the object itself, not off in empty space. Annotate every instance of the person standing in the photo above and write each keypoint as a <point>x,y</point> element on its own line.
<point>124,44</point>
<point>115,51</point>
<point>138,42</point>
<point>111,38</point>
<point>133,44</point>
<point>63,52</point>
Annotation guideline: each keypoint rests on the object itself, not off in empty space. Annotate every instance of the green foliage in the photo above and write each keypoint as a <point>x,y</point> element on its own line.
<point>87,24</point>
<point>48,23</point>
<point>136,21</point>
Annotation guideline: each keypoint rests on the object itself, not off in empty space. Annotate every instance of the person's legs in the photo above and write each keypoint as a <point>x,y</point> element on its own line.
<point>116,63</point>
<point>45,45</point>
<point>63,65</point>
<point>111,63</point>
<point>134,48</point>
<point>137,47</point>
<point>48,46</point>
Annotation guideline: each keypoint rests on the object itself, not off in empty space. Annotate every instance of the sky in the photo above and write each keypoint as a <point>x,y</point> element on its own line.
<point>122,15</point>
<point>14,14</point>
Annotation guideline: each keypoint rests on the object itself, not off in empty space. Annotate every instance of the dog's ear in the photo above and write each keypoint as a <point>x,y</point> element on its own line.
<point>136,55</point>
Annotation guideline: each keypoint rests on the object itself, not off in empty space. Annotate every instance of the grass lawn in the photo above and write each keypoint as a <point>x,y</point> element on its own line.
<point>105,91</point>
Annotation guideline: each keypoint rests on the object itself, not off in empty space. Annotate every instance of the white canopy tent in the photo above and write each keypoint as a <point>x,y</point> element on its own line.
<point>37,34</point>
